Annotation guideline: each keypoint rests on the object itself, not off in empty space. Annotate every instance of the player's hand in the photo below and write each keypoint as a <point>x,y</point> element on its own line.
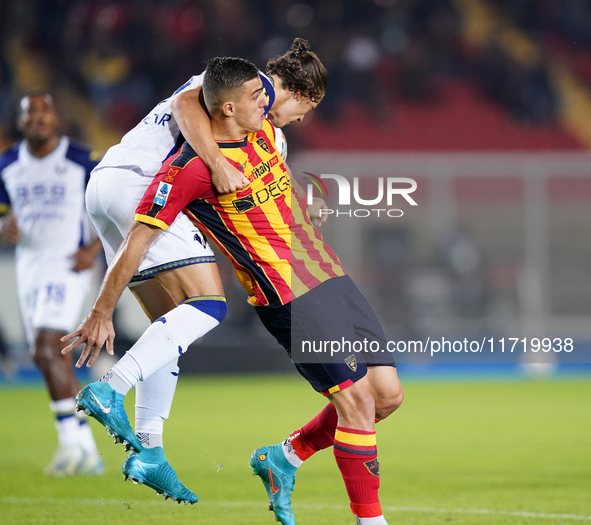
<point>83,259</point>
<point>95,330</point>
<point>9,229</point>
<point>318,218</point>
<point>226,178</point>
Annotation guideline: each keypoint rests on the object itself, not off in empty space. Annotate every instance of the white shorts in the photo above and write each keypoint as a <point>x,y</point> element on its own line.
<point>51,298</point>
<point>112,197</point>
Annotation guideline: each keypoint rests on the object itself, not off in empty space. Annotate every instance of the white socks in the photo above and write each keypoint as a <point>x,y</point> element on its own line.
<point>151,364</point>
<point>72,428</point>
<point>380,520</point>
<point>163,342</point>
<point>153,399</point>
<point>290,454</point>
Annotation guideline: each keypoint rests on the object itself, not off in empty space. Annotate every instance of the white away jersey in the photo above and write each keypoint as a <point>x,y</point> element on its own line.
<point>47,197</point>
<point>154,139</point>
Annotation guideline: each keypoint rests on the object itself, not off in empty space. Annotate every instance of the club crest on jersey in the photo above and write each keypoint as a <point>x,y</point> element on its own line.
<point>373,466</point>
<point>162,193</point>
<point>351,362</point>
<point>263,144</point>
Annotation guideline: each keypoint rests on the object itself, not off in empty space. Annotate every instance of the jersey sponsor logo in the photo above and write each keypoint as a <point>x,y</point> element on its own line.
<point>263,144</point>
<point>162,194</point>
<point>40,195</point>
<point>270,191</point>
<point>274,161</point>
<point>39,190</point>
<point>261,169</point>
<point>159,119</point>
<point>244,204</point>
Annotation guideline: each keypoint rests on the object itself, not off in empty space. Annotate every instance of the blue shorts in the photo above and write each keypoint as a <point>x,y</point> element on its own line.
<point>331,334</point>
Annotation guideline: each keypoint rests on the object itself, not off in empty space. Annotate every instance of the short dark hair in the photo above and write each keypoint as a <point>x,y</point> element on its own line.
<point>300,70</point>
<point>224,74</point>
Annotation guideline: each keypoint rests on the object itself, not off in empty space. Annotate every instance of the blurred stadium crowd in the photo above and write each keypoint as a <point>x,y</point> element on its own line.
<point>404,75</point>
<point>123,56</point>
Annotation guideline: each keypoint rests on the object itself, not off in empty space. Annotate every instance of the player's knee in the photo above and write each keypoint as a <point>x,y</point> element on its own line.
<point>216,308</point>
<point>389,402</point>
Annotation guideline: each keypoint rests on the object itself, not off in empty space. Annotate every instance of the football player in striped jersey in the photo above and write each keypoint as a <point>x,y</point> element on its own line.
<point>300,291</point>
<point>294,279</point>
<point>180,260</point>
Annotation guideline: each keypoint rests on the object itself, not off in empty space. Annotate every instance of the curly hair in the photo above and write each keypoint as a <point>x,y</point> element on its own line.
<point>300,70</point>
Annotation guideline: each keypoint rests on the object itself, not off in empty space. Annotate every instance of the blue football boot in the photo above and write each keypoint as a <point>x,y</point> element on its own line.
<point>278,476</point>
<point>150,467</point>
<point>100,401</point>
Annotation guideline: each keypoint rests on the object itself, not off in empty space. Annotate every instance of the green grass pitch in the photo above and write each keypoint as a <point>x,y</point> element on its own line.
<point>464,452</point>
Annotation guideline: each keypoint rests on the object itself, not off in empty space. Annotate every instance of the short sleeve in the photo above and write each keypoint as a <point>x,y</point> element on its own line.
<point>4,198</point>
<point>84,157</point>
<point>182,179</point>
<point>6,159</point>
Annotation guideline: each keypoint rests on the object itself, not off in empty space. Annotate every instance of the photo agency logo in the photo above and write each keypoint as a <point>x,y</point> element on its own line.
<point>382,205</point>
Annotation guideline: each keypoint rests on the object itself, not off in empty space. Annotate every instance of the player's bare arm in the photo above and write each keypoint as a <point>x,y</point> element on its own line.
<point>9,228</point>
<point>195,126</point>
<point>97,327</point>
<point>314,209</point>
<point>85,256</point>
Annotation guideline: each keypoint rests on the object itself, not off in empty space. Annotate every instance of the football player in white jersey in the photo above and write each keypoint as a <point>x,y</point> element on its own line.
<point>187,278</point>
<point>42,185</point>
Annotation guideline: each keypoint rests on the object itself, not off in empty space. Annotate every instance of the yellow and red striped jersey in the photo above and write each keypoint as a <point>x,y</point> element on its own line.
<point>263,229</point>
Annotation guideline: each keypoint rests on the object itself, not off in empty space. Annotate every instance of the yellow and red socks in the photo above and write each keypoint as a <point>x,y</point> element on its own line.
<point>356,455</point>
<point>315,435</point>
